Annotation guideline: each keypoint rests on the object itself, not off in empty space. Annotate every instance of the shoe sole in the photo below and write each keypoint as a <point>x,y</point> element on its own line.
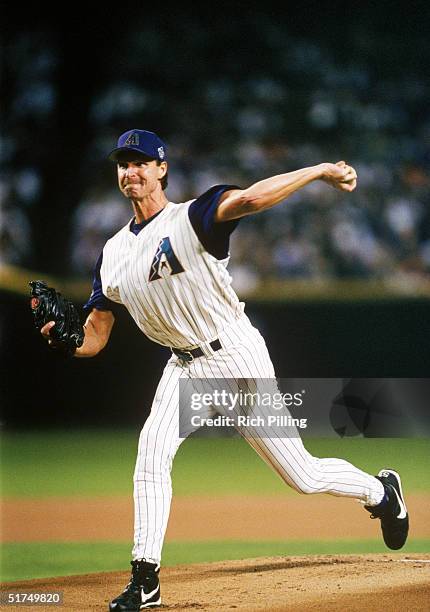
<point>152,604</point>
<point>399,492</point>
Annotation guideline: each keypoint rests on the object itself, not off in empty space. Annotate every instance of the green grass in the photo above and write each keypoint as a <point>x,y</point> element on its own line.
<point>86,463</point>
<point>40,560</point>
<point>97,463</point>
<point>101,463</point>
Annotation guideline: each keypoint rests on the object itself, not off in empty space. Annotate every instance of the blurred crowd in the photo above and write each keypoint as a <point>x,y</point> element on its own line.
<point>305,108</point>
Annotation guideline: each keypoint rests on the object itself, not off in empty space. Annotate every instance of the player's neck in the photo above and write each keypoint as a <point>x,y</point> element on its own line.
<point>146,208</point>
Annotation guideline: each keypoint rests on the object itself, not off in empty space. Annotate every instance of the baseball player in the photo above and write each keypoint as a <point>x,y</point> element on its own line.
<point>168,267</point>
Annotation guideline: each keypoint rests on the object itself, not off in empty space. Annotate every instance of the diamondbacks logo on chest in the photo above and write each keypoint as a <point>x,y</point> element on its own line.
<point>164,261</point>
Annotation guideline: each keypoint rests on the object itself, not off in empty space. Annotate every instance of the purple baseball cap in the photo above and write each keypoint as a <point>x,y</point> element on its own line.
<point>140,141</point>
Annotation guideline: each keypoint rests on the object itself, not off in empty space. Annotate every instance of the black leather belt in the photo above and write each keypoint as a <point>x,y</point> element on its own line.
<point>197,352</point>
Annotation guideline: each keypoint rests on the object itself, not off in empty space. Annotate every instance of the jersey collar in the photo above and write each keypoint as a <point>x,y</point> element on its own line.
<point>137,227</point>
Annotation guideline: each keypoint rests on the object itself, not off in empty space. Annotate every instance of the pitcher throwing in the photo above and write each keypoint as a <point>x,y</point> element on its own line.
<point>168,267</point>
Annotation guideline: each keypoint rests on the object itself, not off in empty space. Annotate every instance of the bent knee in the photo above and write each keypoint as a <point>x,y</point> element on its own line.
<point>310,483</point>
<point>306,489</point>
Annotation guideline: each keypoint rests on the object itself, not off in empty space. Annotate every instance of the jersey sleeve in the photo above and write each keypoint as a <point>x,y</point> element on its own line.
<point>215,237</point>
<point>97,299</point>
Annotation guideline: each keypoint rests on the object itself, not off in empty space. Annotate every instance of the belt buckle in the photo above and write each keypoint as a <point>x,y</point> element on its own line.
<point>184,356</point>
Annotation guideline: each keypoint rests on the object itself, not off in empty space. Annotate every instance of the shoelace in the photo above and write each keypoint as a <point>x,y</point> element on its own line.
<point>135,584</point>
<point>127,588</point>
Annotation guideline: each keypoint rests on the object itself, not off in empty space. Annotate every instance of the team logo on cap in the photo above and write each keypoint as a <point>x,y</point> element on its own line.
<point>132,140</point>
<point>161,152</point>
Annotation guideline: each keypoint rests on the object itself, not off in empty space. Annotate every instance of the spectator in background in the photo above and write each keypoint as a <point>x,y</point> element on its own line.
<point>306,107</point>
<point>15,230</point>
<point>96,217</point>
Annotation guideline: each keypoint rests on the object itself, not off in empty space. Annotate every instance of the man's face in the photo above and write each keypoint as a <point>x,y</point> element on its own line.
<point>138,178</point>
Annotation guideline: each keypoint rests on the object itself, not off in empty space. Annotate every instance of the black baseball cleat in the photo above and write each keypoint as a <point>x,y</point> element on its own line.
<point>392,510</point>
<point>143,590</point>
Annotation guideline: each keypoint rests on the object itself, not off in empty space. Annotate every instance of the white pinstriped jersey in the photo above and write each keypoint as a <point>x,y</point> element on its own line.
<point>177,292</point>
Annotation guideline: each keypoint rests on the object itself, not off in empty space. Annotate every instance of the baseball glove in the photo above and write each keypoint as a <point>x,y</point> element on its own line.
<point>47,304</point>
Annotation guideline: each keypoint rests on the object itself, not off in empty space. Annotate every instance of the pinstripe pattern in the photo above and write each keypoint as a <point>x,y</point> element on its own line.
<point>244,356</point>
<point>180,310</point>
<point>183,310</point>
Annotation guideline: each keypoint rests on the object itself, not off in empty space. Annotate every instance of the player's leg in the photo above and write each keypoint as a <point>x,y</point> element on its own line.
<point>248,358</point>
<point>307,474</point>
<point>152,494</point>
<point>158,442</point>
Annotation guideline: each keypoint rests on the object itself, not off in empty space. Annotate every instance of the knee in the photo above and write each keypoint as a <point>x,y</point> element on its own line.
<point>151,469</point>
<point>152,465</point>
<point>305,488</point>
<point>308,481</point>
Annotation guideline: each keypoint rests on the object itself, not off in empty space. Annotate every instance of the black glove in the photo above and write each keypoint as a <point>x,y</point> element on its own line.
<point>47,304</point>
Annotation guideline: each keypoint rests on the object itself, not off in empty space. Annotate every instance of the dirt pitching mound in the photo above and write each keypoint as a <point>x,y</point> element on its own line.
<point>326,582</point>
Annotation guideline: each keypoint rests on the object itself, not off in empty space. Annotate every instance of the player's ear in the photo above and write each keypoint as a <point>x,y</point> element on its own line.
<point>162,169</point>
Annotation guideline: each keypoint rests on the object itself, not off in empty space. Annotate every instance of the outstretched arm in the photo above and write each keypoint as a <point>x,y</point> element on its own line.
<point>269,192</point>
<point>98,327</point>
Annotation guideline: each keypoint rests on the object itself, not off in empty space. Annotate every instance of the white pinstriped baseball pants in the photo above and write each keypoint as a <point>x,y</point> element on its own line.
<point>244,355</point>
